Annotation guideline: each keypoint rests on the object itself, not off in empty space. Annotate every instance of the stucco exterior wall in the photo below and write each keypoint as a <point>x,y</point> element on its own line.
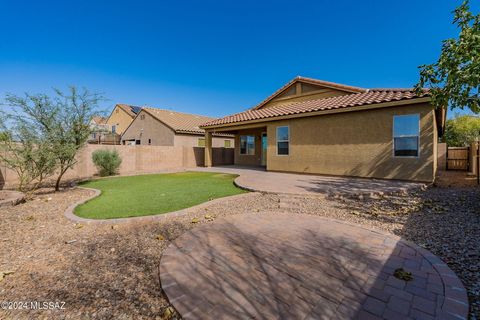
<point>120,119</point>
<point>320,94</point>
<point>355,144</point>
<point>149,128</point>
<point>358,143</point>
<point>161,135</point>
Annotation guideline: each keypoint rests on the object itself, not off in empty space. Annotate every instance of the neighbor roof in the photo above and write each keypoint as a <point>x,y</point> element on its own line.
<point>99,119</point>
<point>328,84</point>
<point>368,97</point>
<point>131,110</point>
<point>178,121</point>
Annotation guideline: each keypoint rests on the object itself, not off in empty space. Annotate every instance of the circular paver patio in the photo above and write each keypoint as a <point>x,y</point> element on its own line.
<point>284,266</point>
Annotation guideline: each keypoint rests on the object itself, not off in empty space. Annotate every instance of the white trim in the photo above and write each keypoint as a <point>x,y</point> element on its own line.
<point>277,141</point>
<point>406,136</point>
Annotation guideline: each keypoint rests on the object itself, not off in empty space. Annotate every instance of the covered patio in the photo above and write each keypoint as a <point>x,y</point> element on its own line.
<point>251,145</point>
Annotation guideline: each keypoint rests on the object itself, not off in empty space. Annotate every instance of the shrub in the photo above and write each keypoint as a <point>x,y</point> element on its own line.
<point>107,161</point>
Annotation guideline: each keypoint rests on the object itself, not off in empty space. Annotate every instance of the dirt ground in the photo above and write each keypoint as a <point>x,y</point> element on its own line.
<point>111,272</point>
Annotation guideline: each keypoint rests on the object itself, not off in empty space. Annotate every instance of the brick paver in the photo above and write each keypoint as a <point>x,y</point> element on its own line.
<point>257,179</point>
<point>284,266</point>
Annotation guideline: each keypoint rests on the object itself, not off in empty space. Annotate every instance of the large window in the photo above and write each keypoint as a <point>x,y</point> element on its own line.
<point>201,142</point>
<point>406,135</point>
<point>283,141</point>
<point>247,145</point>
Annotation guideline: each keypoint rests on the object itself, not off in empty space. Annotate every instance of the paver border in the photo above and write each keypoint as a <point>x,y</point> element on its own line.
<point>70,215</point>
<point>454,306</point>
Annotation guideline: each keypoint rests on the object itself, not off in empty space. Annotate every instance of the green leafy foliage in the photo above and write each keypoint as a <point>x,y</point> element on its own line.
<point>50,129</point>
<point>462,131</point>
<point>455,78</point>
<point>106,161</point>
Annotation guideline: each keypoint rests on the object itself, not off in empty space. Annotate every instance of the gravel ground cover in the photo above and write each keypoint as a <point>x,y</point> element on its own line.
<point>111,271</point>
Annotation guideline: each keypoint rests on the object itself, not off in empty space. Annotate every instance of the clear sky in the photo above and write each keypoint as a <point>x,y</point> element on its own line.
<point>215,57</point>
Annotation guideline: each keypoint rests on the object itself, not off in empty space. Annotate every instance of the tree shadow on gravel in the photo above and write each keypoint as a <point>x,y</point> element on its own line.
<point>260,272</point>
<point>114,276</point>
<point>445,221</point>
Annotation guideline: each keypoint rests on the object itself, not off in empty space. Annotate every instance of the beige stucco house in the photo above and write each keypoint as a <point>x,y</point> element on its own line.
<point>320,127</point>
<point>159,127</point>
<point>121,117</point>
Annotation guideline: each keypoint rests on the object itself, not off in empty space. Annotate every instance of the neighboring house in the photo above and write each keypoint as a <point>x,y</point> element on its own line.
<point>99,128</point>
<point>319,127</point>
<point>121,117</point>
<point>158,127</point>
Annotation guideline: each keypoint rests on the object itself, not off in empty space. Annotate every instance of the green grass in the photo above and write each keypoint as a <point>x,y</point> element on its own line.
<point>155,193</point>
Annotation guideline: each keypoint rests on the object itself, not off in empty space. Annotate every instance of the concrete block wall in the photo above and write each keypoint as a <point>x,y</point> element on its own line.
<point>136,159</point>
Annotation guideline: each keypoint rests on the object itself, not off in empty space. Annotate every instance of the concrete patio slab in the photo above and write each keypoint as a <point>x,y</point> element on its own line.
<point>257,179</point>
<point>283,266</point>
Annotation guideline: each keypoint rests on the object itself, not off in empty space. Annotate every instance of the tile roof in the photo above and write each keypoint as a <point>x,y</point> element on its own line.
<point>131,110</point>
<point>178,121</point>
<point>342,87</point>
<point>368,97</point>
<point>99,119</point>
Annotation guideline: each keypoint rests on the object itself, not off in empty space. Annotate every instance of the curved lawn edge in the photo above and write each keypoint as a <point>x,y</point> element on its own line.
<point>70,212</point>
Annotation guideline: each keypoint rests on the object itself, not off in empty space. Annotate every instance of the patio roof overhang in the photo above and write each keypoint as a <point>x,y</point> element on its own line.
<point>238,125</point>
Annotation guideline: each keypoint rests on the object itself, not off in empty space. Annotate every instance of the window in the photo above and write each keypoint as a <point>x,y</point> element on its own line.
<point>283,141</point>
<point>247,145</point>
<point>406,133</point>
<point>149,141</point>
<point>201,142</point>
<point>142,117</point>
<point>227,144</point>
<point>114,129</point>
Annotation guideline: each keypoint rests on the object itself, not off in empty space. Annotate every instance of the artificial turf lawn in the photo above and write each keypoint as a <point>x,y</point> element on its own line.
<point>155,193</point>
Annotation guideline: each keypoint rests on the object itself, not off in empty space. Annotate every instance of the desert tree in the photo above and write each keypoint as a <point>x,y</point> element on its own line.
<point>455,78</point>
<point>60,124</point>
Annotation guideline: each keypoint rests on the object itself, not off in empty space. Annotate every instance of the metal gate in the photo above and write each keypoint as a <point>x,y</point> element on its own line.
<point>457,158</point>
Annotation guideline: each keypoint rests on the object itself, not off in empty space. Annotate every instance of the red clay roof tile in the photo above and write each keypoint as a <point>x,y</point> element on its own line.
<point>346,101</point>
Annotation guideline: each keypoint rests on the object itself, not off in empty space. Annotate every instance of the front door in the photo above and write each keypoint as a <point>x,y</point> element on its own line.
<point>264,149</point>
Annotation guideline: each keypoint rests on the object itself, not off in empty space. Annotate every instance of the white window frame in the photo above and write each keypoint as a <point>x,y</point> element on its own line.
<point>406,136</point>
<point>246,147</point>
<point>277,141</point>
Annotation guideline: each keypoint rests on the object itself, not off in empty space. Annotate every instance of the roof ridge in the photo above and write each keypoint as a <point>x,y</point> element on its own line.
<point>179,112</point>
<point>339,86</point>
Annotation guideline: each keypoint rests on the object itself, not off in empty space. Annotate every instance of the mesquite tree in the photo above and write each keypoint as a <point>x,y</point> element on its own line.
<point>61,122</point>
<point>455,78</point>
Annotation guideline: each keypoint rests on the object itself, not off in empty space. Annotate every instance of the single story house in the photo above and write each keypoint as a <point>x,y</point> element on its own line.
<point>159,127</point>
<point>121,117</point>
<point>319,127</point>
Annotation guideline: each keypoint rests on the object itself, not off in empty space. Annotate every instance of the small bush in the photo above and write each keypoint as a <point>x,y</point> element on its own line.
<point>107,161</point>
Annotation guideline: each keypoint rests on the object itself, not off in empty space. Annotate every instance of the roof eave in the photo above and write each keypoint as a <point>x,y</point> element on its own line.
<point>322,112</point>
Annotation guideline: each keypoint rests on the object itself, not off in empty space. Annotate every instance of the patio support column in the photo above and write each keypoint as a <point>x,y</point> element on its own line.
<point>208,149</point>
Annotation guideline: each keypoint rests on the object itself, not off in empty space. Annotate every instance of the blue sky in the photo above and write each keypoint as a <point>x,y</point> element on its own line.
<point>215,57</point>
